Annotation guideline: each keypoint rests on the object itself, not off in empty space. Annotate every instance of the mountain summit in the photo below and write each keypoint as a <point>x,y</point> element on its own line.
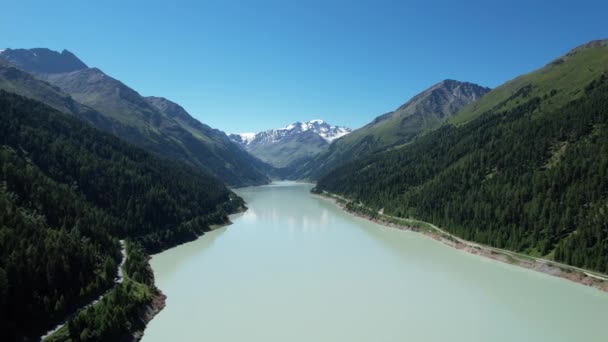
<point>42,60</point>
<point>422,113</point>
<point>280,147</point>
<point>432,106</point>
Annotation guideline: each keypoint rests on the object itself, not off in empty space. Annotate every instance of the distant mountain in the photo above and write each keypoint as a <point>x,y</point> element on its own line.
<point>525,168</point>
<point>298,141</point>
<point>424,112</point>
<point>158,125</point>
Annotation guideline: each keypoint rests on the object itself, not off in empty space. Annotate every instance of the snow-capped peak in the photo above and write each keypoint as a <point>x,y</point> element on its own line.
<point>245,138</point>
<point>328,132</point>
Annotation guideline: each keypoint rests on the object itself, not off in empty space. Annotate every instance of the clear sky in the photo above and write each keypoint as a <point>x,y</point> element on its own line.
<point>251,65</point>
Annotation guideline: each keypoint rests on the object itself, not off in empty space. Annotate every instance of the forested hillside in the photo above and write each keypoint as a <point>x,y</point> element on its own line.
<point>531,177</point>
<point>67,194</point>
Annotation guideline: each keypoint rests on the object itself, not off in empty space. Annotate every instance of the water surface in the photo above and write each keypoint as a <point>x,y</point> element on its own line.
<point>294,267</point>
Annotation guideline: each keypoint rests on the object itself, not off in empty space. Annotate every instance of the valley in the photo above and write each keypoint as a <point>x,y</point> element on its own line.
<point>124,217</point>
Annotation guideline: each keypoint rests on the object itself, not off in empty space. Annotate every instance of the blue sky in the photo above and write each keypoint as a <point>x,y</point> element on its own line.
<point>252,65</point>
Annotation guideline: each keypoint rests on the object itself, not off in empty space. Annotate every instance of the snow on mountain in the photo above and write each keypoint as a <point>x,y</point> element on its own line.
<point>295,142</point>
<point>246,137</point>
<point>326,131</point>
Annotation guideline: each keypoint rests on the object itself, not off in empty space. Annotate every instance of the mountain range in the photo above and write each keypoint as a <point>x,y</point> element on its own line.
<point>158,125</point>
<point>297,141</point>
<point>302,150</point>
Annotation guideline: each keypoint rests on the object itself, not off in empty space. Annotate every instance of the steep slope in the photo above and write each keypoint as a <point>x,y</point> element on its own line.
<point>562,80</point>
<point>136,119</point>
<point>68,192</point>
<point>424,112</point>
<point>298,141</point>
<point>17,81</point>
<point>532,178</point>
<point>224,155</point>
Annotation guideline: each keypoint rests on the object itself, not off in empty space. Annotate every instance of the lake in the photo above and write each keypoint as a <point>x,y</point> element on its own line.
<point>295,267</point>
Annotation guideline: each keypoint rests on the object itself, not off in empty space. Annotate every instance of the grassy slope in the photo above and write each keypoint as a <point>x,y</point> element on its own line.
<point>566,77</point>
<point>109,96</point>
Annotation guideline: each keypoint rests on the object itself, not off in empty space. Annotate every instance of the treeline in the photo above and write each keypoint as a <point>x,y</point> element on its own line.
<point>530,180</point>
<point>67,194</point>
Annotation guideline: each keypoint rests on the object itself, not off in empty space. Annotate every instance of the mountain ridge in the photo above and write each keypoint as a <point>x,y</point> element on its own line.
<point>422,113</point>
<point>43,60</point>
<point>297,141</point>
<point>561,79</point>
<point>112,106</point>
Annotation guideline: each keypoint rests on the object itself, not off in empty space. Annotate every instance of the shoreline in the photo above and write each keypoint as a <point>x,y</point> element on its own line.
<point>572,273</point>
<point>575,274</point>
<point>117,281</point>
<point>148,312</point>
<point>157,303</point>
<point>159,299</point>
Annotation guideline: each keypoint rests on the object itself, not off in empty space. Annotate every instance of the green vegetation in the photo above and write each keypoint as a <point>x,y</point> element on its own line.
<point>524,169</point>
<point>119,311</point>
<point>558,83</point>
<point>67,194</point>
<point>359,208</point>
<point>532,179</point>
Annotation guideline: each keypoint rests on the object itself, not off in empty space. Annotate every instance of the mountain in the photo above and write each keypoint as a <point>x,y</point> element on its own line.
<point>41,60</point>
<point>298,141</point>
<point>19,82</point>
<point>68,193</point>
<point>424,112</point>
<point>164,129</point>
<point>525,168</point>
<point>562,80</point>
